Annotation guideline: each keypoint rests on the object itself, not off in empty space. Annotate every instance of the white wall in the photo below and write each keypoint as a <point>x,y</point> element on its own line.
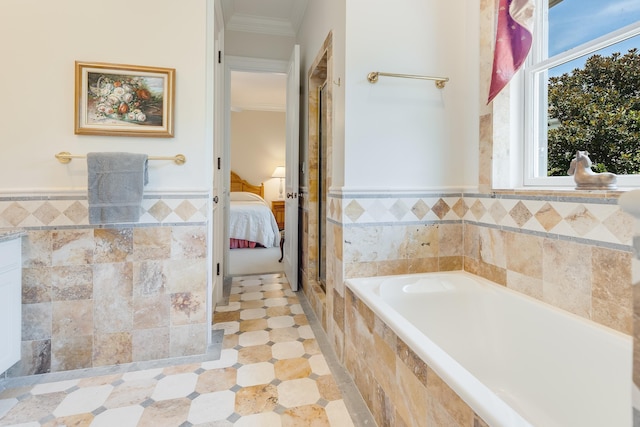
<point>399,133</point>
<point>470,62</point>
<point>39,42</point>
<point>322,17</point>
<point>403,133</point>
<point>258,144</point>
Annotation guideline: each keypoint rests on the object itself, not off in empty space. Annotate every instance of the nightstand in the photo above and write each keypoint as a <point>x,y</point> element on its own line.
<point>277,206</point>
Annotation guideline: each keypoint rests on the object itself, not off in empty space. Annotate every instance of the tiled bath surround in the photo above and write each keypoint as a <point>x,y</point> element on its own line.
<point>573,252</point>
<point>106,295</point>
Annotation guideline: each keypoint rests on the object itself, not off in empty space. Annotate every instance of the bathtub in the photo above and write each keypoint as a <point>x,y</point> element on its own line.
<point>514,360</point>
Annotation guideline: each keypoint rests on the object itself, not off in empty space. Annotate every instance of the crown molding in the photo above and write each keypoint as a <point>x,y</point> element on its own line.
<point>261,25</point>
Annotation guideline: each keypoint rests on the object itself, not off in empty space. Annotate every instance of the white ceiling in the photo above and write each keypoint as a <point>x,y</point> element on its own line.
<point>261,91</point>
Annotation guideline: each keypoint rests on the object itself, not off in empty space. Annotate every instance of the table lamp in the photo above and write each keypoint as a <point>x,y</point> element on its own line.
<point>279,173</point>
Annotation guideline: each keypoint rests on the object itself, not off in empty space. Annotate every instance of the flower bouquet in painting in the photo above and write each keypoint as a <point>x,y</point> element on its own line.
<point>131,99</point>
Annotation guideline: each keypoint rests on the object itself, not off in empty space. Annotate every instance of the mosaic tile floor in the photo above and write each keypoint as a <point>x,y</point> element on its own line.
<point>271,372</point>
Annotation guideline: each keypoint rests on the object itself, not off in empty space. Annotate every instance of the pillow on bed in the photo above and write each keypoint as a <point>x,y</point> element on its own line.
<point>244,196</point>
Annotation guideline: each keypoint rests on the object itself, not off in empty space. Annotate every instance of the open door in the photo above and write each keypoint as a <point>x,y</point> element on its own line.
<point>292,161</point>
<point>217,241</point>
<point>218,190</point>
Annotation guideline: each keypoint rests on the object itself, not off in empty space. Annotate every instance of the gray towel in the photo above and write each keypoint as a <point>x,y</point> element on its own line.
<point>115,186</point>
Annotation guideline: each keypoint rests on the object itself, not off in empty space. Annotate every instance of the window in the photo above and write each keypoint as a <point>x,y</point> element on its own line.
<point>582,90</point>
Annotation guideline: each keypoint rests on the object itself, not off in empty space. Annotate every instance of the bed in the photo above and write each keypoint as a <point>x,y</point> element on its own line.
<point>251,221</point>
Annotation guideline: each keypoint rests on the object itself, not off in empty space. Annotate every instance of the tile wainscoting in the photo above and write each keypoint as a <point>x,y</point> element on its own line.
<point>573,252</point>
<point>110,294</point>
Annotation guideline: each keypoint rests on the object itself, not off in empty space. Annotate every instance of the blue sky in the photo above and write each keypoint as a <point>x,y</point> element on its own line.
<point>573,22</point>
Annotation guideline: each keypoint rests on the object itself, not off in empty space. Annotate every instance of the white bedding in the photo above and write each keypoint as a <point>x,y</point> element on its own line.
<point>251,219</point>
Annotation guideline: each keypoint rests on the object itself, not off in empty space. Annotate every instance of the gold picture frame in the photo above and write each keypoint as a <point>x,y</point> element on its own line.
<point>124,100</point>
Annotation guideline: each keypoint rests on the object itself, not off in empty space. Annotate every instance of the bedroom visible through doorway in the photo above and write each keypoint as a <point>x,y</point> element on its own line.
<point>257,126</point>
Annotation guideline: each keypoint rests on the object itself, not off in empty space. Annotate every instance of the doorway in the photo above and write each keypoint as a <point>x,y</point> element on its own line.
<point>257,149</point>
<point>265,67</point>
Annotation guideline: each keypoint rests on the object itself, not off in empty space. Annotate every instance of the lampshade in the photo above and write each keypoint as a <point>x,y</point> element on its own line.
<point>279,172</point>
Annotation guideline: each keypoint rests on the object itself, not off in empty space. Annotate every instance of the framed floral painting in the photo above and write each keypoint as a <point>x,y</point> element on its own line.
<point>124,100</point>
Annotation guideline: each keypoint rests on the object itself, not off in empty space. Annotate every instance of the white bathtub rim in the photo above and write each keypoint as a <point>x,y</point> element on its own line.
<point>512,292</point>
<point>479,397</point>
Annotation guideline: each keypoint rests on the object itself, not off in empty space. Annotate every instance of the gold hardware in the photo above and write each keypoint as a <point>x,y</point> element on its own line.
<point>440,81</point>
<point>65,157</point>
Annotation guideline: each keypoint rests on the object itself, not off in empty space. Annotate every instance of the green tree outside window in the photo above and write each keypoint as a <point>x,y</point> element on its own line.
<point>597,109</point>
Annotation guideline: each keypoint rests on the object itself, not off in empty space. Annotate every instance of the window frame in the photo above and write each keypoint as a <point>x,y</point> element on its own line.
<point>535,105</point>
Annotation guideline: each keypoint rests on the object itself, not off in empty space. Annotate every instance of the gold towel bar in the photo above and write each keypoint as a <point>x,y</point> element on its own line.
<point>65,157</point>
<point>440,81</point>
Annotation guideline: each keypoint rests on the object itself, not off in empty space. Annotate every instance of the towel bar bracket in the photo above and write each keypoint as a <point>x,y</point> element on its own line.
<point>64,157</point>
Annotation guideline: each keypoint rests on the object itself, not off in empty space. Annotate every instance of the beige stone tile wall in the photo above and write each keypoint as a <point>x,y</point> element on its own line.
<point>110,295</point>
<point>572,251</point>
<point>590,281</point>
<point>400,249</point>
<point>319,75</point>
